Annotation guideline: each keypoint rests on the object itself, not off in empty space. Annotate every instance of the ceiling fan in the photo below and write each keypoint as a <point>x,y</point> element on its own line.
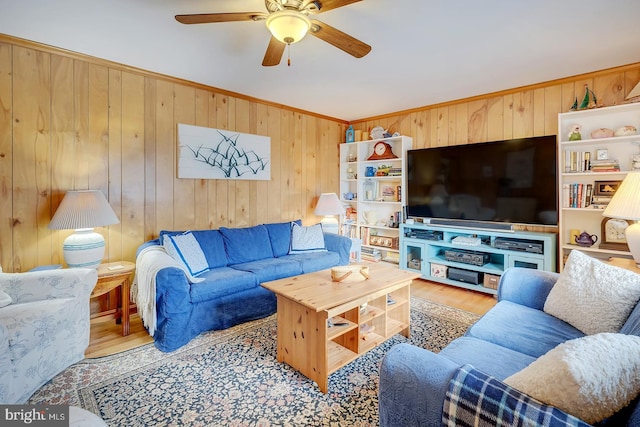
<point>288,21</point>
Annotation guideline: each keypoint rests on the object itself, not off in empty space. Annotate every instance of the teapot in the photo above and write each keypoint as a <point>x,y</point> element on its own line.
<point>586,239</point>
<point>371,217</point>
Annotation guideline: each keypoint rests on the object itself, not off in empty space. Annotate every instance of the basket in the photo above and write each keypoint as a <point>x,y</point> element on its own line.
<point>350,273</point>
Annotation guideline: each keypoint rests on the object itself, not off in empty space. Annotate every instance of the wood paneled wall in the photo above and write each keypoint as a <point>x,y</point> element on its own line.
<point>71,122</point>
<point>517,113</point>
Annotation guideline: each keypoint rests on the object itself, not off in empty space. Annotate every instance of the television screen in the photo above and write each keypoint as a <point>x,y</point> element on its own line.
<point>512,181</point>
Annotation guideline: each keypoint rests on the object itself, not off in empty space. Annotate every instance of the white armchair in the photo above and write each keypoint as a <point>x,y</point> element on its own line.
<point>44,329</point>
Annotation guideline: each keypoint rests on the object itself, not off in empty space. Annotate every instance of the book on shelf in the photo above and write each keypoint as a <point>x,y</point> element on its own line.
<point>609,165</point>
<point>576,161</point>
<point>370,254</point>
<point>393,257</point>
<point>577,195</point>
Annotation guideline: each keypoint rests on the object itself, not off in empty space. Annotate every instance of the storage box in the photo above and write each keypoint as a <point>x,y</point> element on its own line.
<point>384,241</point>
<point>439,270</point>
<point>491,281</point>
<point>414,263</point>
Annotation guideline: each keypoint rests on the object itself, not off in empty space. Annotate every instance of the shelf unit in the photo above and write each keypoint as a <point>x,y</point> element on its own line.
<point>324,325</point>
<point>369,323</point>
<point>424,250</point>
<point>621,148</point>
<point>376,199</point>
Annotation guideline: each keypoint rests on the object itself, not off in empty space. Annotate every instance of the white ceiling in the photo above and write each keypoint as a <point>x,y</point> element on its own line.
<point>424,51</point>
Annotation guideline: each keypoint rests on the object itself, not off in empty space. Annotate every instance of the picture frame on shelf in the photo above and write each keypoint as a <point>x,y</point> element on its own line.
<point>602,154</point>
<point>389,192</point>
<point>605,188</point>
<point>612,232</point>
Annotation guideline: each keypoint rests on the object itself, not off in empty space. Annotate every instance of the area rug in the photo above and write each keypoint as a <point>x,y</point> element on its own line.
<point>232,378</point>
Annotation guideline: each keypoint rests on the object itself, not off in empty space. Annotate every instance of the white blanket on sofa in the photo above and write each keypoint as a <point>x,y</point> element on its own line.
<point>149,262</point>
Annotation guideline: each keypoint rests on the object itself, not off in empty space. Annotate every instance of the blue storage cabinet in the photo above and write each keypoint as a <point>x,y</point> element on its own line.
<point>432,251</point>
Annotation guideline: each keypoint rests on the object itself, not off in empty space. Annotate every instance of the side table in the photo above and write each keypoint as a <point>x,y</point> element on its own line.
<point>114,275</point>
<point>625,263</point>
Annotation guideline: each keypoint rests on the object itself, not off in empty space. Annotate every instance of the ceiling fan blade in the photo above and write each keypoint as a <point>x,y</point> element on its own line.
<point>206,18</point>
<point>337,38</point>
<point>274,52</point>
<point>326,5</point>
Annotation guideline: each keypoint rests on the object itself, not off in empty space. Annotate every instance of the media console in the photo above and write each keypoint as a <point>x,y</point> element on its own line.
<point>435,253</point>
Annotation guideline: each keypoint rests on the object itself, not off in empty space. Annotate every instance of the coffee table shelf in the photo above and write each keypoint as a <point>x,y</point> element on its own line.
<point>307,343</point>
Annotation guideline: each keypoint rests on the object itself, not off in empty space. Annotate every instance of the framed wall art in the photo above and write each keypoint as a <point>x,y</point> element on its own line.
<point>605,188</point>
<point>207,153</point>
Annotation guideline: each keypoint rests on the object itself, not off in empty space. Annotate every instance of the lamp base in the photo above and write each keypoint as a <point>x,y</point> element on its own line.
<point>633,241</point>
<point>330,225</point>
<point>84,248</point>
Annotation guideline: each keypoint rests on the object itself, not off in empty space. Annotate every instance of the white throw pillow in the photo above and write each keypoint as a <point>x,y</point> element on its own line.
<point>592,377</point>
<point>5,299</point>
<point>306,239</point>
<point>185,248</point>
<point>593,296</point>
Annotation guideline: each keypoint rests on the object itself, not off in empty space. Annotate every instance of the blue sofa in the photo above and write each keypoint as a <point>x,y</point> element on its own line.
<point>239,260</point>
<point>509,337</point>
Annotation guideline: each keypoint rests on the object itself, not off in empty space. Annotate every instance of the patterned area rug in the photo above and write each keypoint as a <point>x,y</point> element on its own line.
<point>232,378</point>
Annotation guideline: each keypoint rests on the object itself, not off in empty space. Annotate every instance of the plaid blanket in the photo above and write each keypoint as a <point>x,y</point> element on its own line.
<point>475,399</point>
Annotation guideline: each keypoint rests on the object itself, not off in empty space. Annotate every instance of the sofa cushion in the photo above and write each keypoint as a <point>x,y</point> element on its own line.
<point>315,261</point>
<point>591,377</point>
<point>186,249</point>
<point>497,361</point>
<point>211,243</point>
<point>632,325</point>
<point>246,244</point>
<point>5,299</point>
<point>271,268</point>
<point>280,236</point>
<point>220,282</point>
<point>35,324</point>
<point>475,398</point>
<point>306,239</point>
<point>593,296</point>
<point>524,329</point>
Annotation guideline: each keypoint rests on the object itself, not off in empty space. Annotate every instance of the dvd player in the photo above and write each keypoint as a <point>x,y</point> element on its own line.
<point>519,245</point>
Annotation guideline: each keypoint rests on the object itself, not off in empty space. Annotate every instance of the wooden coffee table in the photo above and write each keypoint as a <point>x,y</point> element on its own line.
<point>364,315</point>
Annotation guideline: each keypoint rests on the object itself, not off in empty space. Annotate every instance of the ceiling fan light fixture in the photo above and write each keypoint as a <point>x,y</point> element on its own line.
<point>288,26</point>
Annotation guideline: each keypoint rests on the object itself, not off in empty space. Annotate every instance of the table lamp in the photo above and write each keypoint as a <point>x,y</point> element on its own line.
<point>81,211</point>
<point>329,205</point>
<point>625,204</point>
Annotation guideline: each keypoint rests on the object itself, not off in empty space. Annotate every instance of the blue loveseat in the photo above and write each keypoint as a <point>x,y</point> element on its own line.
<point>416,383</point>
<point>228,292</point>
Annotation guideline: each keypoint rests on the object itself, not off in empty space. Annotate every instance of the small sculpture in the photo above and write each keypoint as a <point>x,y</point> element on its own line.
<point>585,239</point>
<point>574,133</point>
<point>377,132</point>
<point>602,133</point>
<point>626,131</point>
<point>589,100</point>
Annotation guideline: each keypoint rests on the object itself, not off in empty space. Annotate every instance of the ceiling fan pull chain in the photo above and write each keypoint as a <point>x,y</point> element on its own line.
<point>288,54</point>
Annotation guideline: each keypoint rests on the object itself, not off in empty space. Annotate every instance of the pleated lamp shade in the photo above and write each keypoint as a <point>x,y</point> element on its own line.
<point>625,204</point>
<point>81,211</point>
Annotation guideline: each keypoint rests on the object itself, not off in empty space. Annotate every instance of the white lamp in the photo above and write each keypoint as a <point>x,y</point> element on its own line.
<point>625,204</point>
<point>288,26</point>
<point>81,211</point>
<point>329,205</point>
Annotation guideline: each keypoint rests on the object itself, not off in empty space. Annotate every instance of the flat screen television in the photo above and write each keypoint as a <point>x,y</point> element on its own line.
<point>500,182</point>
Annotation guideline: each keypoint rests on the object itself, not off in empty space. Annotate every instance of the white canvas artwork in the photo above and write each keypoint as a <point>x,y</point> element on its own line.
<point>221,154</point>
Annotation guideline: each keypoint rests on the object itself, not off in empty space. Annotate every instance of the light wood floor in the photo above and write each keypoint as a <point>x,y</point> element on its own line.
<point>106,335</point>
